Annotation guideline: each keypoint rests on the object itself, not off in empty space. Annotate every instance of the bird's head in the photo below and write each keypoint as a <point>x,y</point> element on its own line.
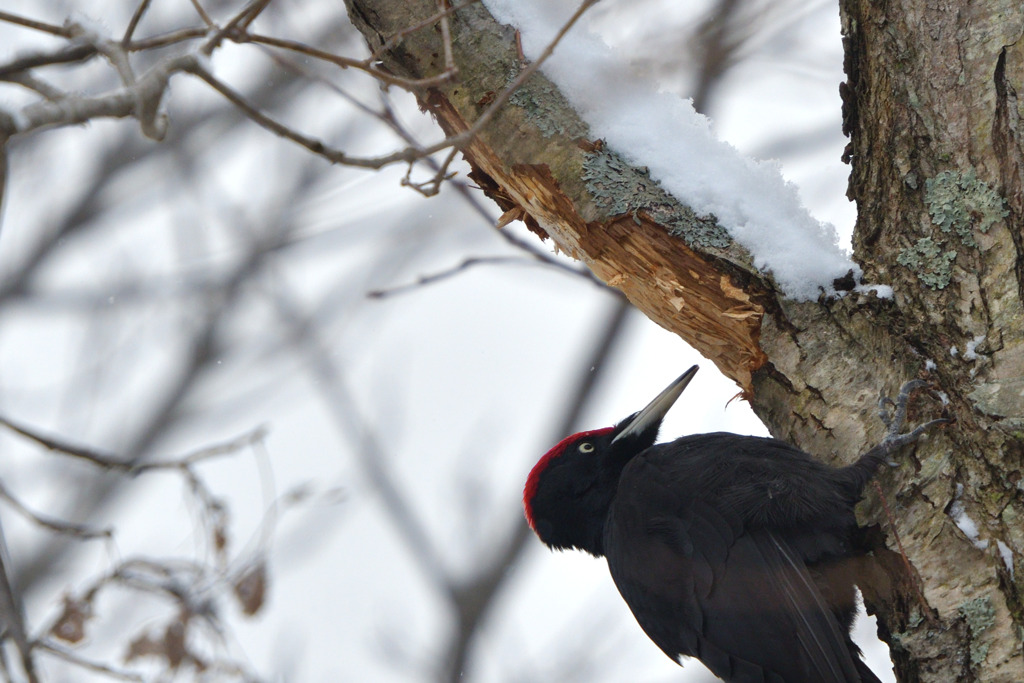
<point>569,490</point>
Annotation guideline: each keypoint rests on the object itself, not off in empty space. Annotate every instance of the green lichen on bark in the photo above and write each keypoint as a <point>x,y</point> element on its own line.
<point>619,188</point>
<point>934,267</point>
<point>546,107</point>
<point>979,615</point>
<point>959,204</point>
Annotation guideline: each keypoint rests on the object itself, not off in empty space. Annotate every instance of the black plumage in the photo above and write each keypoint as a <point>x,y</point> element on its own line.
<point>732,549</point>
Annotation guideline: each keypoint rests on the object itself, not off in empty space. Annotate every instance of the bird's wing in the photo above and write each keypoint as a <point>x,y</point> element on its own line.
<point>701,584</point>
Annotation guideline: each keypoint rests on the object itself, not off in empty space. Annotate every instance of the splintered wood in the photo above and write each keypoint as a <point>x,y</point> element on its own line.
<point>669,282</point>
<point>673,285</point>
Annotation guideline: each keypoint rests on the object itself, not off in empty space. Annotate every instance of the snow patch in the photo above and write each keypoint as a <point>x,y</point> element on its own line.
<point>881,291</point>
<point>1007,555</point>
<point>929,364</point>
<point>953,351</point>
<point>750,199</point>
<point>87,30</point>
<point>965,523</point>
<point>969,353</point>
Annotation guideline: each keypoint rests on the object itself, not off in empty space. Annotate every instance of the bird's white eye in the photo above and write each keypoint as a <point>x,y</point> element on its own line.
<point>586,447</point>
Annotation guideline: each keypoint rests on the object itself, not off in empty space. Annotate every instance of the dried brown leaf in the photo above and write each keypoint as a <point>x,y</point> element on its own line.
<point>251,588</point>
<point>70,626</point>
<point>171,647</point>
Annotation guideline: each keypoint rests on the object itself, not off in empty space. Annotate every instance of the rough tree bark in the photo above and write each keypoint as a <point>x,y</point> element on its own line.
<point>931,106</point>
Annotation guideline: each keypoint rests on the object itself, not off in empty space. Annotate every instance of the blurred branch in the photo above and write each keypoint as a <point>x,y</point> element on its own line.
<point>202,13</point>
<point>104,460</point>
<point>142,98</point>
<point>366,65</point>
<point>718,40</point>
<point>12,613</point>
<point>469,599</point>
<point>466,265</point>
<point>475,597</point>
<point>72,53</point>
<point>187,584</point>
<point>116,158</point>
<point>18,20</point>
<point>109,461</point>
<point>136,18</point>
<point>369,452</point>
<point>77,660</point>
<point>55,525</point>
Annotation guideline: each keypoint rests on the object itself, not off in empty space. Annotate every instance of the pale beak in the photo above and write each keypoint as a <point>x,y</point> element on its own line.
<point>655,411</point>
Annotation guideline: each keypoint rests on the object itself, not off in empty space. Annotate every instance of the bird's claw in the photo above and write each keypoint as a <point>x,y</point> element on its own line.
<point>894,422</point>
<point>883,413</point>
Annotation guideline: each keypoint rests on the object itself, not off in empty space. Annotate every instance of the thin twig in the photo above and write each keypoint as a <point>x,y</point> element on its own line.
<point>79,661</point>
<point>109,461</point>
<point>431,187</point>
<point>136,18</point>
<point>446,38</point>
<point>409,154</point>
<point>230,447</point>
<point>202,13</point>
<point>104,460</point>
<point>72,53</point>
<point>37,85</point>
<point>56,525</point>
<point>364,65</point>
<point>239,21</point>
<point>12,612</point>
<point>550,260</point>
<point>445,274</point>
<point>52,29</point>
<point>465,265</point>
<point>409,30</point>
<point>312,144</point>
<point>169,38</point>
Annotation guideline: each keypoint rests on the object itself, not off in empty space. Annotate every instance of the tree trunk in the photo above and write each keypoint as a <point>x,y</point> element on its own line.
<point>931,107</point>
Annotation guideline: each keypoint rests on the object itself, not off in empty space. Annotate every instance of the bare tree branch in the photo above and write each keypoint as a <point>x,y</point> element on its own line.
<point>140,10</point>
<point>61,527</point>
<point>464,266</point>
<point>11,18</point>
<point>12,613</point>
<point>98,667</point>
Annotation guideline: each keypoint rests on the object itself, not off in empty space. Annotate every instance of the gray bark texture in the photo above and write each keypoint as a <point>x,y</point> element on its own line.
<point>935,124</point>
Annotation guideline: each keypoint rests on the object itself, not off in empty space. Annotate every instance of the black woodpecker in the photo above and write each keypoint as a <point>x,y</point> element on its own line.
<point>731,549</point>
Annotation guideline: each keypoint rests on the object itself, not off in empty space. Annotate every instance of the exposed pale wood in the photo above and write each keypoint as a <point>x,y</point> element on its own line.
<point>672,284</point>
<point>532,157</point>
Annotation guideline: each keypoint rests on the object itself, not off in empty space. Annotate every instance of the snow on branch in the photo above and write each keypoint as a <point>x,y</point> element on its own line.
<point>749,198</point>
